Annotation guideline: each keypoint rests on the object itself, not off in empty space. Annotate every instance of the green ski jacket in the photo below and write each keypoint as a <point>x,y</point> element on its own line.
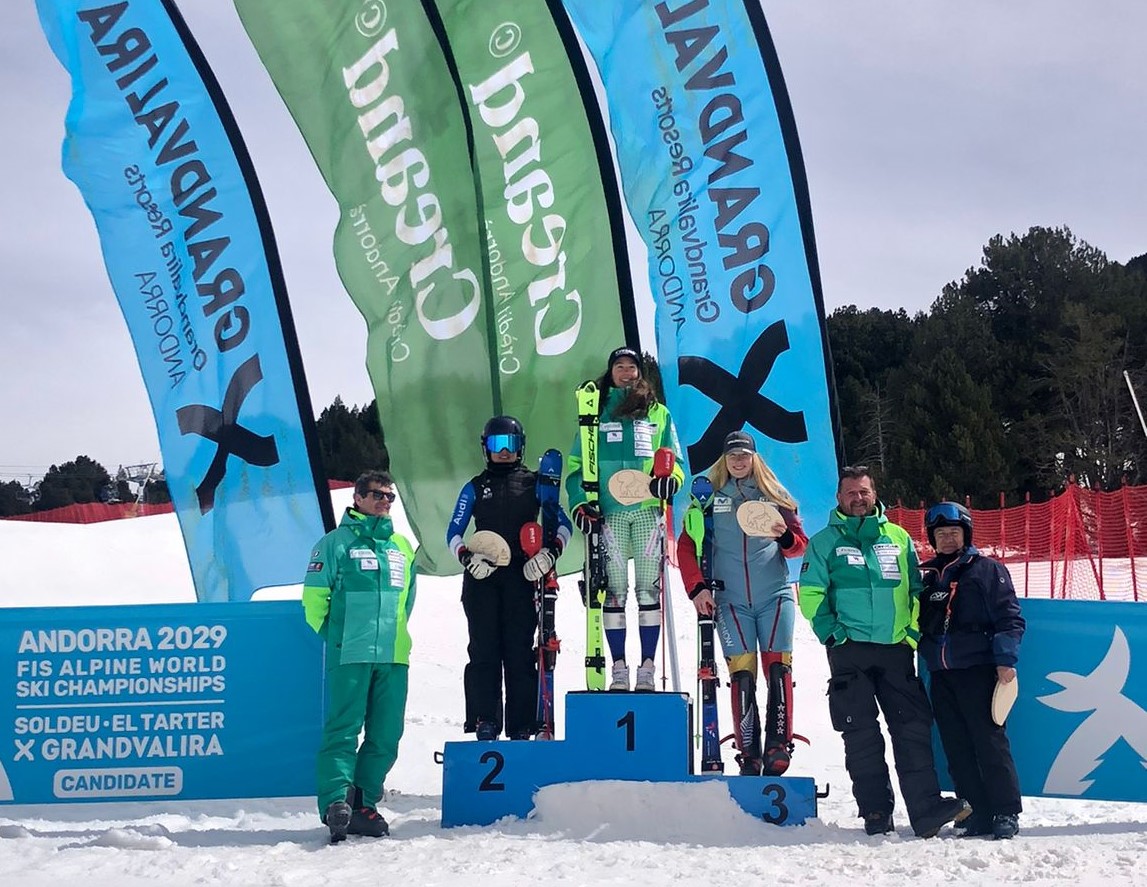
<point>359,591</point>
<point>860,581</point>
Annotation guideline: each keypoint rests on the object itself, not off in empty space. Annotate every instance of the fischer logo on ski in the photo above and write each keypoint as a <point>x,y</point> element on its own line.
<point>594,583</point>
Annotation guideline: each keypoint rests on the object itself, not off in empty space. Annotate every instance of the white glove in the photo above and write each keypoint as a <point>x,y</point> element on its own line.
<point>478,565</point>
<point>540,564</point>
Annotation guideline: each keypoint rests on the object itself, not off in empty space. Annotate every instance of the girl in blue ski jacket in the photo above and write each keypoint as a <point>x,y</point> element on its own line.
<point>751,595</point>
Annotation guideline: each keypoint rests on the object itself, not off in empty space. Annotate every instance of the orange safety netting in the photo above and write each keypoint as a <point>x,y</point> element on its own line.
<point>1081,545</point>
<point>95,512</point>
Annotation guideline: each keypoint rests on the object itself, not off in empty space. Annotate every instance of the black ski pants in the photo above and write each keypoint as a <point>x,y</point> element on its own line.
<point>979,755</point>
<point>863,675</point>
<point>503,621</point>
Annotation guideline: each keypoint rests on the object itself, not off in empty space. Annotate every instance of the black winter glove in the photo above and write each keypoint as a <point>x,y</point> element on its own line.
<point>586,517</point>
<point>664,488</point>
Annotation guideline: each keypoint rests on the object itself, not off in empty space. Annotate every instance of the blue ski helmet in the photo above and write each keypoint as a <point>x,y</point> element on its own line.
<point>948,514</point>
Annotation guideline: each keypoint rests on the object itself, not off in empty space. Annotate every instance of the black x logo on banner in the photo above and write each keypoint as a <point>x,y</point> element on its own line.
<point>740,397</point>
<point>221,427</point>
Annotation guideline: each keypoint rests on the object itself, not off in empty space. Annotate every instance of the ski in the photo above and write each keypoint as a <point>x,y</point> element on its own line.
<point>549,491</point>
<point>663,462</point>
<point>707,679</point>
<point>593,583</point>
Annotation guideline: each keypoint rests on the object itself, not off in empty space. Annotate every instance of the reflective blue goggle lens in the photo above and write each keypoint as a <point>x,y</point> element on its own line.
<point>495,443</point>
<point>944,513</point>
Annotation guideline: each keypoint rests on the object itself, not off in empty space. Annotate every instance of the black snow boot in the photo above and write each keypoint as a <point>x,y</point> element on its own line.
<point>1005,825</point>
<point>954,810</point>
<point>878,824</point>
<point>976,826</point>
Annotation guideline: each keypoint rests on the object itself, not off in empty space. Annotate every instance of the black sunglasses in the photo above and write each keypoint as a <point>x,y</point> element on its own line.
<point>379,495</point>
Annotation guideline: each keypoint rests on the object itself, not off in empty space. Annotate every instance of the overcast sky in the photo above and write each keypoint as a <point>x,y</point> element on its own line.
<point>927,128</point>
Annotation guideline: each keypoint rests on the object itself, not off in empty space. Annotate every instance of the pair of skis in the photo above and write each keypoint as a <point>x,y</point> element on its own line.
<point>593,583</point>
<point>533,537</point>
<point>707,678</point>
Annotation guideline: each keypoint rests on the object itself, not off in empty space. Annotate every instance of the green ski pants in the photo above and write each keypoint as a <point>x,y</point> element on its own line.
<point>363,696</point>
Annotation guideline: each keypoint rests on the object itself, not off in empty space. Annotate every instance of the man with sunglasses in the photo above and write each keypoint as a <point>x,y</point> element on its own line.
<point>970,633</point>
<point>860,587</point>
<point>499,600</point>
<point>358,594</point>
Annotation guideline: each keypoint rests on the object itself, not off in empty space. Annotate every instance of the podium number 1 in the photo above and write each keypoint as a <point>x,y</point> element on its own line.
<point>627,722</point>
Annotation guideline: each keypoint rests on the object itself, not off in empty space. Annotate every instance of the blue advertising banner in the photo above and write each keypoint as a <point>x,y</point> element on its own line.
<point>158,701</point>
<point>714,180</point>
<point>1079,727</point>
<point>188,249</point>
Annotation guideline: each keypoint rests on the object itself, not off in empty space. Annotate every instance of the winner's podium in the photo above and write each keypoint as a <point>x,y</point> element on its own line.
<point>623,736</point>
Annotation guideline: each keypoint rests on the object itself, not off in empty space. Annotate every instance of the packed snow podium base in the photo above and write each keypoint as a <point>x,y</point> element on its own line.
<point>632,737</point>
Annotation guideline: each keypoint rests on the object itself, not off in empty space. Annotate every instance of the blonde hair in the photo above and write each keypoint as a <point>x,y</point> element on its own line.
<point>767,482</point>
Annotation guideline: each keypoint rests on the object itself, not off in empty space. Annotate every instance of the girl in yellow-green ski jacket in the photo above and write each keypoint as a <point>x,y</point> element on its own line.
<point>632,427</point>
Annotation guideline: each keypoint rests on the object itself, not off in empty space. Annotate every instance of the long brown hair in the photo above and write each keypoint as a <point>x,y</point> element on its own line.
<point>767,482</point>
<point>639,398</point>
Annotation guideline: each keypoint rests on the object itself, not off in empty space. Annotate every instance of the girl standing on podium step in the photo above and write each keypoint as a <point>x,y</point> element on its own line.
<point>499,602</point>
<point>633,425</point>
<point>751,597</point>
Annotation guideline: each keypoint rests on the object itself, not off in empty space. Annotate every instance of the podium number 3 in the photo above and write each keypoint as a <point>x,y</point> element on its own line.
<point>627,722</point>
<point>776,794</point>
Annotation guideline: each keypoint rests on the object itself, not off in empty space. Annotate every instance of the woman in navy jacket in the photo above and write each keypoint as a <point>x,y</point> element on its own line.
<point>970,632</point>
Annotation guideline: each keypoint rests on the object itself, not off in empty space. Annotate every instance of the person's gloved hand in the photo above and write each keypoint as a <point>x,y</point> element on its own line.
<point>664,488</point>
<point>586,517</point>
<point>477,565</point>
<point>540,564</point>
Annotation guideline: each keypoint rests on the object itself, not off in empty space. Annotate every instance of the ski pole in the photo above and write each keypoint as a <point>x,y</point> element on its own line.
<point>664,461</point>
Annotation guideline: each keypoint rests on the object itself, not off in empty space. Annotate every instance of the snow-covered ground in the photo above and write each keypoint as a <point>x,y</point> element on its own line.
<point>593,833</point>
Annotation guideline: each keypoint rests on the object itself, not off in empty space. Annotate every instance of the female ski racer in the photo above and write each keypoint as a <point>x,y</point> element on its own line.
<point>633,425</point>
<point>499,601</point>
<point>752,598</point>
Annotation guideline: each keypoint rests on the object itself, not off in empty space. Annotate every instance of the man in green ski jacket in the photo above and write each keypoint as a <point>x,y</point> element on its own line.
<point>358,594</point>
<point>860,587</point>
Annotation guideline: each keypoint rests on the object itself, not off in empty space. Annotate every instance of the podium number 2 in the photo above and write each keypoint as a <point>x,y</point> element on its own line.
<point>627,722</point>
<point>488,784</point>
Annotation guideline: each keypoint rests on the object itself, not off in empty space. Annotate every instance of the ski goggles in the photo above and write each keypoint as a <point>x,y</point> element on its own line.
<point>495,443</point>
<point>943,513</point>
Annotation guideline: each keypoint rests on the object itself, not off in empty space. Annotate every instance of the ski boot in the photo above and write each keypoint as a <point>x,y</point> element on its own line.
<point>486,731</point>
<point>337,819</point>
<point>366,821</point>
<point>778,713</point>
<point>747,733</point>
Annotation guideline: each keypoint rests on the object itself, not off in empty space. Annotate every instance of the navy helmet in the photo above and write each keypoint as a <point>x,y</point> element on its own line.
<point>948,514</point>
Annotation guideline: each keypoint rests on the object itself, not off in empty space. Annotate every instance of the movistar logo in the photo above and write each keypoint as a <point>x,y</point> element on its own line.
<point>1114,716</point>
